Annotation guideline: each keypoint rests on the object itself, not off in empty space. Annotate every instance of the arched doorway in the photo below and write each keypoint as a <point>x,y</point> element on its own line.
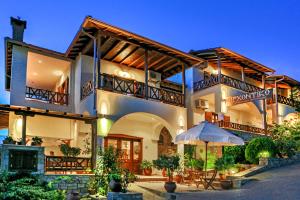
<point>136,135</point>
<point>165,145</point>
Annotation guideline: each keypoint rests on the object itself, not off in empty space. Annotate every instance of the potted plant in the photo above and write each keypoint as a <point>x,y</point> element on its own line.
<point>170,164</point>
<point>222,165</point>
<point>9,140</point>
<point>115,183</point>
<point>146,166</point>
<point>36,141</point>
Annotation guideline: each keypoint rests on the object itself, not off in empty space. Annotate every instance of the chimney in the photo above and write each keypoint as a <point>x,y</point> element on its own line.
<point>18,27</point>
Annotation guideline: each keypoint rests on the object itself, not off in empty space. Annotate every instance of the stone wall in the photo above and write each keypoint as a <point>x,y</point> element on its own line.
<point>5,160</point>
<point>269,163</point>
<point>69,182</point>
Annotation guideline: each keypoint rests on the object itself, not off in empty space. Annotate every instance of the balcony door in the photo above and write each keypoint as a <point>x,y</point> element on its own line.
<point>130,148</point>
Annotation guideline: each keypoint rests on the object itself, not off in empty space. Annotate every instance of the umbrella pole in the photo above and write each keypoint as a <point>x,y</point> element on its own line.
<point>206,144</point>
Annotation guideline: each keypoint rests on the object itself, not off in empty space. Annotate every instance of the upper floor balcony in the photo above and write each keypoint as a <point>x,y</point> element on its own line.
<point>213,80</point>
<point>136,89</point>
<point>284,100</point>
<point>47,80</point>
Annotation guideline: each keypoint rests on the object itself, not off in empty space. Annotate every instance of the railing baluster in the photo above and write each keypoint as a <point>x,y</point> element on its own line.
<point>46,96</point>
<point>135,88</point>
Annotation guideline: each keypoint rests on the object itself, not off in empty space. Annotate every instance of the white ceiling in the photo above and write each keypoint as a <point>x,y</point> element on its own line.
<point>44,71</point>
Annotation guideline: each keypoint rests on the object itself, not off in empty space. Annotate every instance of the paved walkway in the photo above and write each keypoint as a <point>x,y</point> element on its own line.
<point>278,184</point>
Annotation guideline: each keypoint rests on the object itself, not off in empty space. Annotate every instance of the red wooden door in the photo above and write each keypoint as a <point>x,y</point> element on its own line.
<point>130,148</point>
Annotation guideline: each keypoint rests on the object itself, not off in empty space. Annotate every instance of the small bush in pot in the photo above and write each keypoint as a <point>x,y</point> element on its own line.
<point>170,163</point>
<point>36,141</point>
<point>223,164</point>
<point>115,183</point>
<point>146,166</point>
<point>9,140</point>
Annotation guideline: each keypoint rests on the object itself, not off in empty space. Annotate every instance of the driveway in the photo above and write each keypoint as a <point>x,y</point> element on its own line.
<point>277,184</point>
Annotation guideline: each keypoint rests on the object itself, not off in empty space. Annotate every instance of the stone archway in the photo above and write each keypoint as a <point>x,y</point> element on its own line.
<point>165,146</point>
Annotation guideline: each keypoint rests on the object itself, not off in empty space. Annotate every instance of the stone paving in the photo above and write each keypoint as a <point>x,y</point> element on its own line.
<point>278,184</point>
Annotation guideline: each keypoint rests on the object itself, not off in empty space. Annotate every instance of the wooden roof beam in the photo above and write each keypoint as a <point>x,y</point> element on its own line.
<point>128,55</point>
<point>164,64</point>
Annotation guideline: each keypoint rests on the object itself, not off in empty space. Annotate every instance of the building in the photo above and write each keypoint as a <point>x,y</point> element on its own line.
<point>112,87</point>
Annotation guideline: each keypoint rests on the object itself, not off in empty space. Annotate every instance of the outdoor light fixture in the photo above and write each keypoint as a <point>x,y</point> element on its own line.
<point>57,73</point>
<point>124,74</point>
<point>214,71</point>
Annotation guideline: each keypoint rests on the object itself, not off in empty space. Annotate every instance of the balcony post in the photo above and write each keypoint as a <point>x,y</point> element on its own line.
<point>146,73</point>
<point>265,127</point>
<point>24,125</point>
<point>94,143</point>
<point>183,84</point>
<point>243,74</point>
<point>276,102</point>
<point>219,68</point>
<point>98,71</point>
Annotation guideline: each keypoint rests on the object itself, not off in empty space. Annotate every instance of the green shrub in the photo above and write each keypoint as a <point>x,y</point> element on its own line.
<point>107,168</point>
<point>258,145</point>
<point>23,187</point>
<point>285,139</point>
<point>237,152</point>
<point>224,163</point>
<point>170,163</point>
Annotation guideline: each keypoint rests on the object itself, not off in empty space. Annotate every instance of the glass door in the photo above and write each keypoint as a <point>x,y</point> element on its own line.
<point>130,150</point>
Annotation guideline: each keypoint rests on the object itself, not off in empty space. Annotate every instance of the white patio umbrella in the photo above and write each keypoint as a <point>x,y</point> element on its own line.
<point>208,133</point>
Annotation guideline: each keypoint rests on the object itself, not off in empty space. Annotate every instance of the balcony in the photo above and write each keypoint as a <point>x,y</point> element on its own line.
<point>240,127</point>
<point>134,88</point>
<point>46,96</point>
<point>61,163</point>
<point>284,100</point>
<point>226,80</point>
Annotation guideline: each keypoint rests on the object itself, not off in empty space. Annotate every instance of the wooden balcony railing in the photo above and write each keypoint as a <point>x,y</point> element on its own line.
<point>61,163</point>
<point>226,80</point>
<point>46,96</point>
<point>241,127</point>
<point>86,89</point>
<point>138,89</point>
<point>284,100</point>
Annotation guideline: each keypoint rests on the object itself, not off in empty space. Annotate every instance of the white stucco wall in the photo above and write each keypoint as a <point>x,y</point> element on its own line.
<point>18,84</point>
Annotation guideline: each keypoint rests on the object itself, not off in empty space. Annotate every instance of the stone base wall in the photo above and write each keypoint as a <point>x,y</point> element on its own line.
<point>269,163</point>
<point>5,159</point>
<point>69,183</point>
<point>124,196</point>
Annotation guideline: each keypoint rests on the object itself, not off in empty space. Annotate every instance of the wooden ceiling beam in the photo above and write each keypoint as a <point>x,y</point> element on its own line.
<point>129,54</point>
<point>114,44</point>
<point>157,61</point>
<point>115,50</point>
<point>141,57</point>
<point>152,55</point>
<point>164,64</point>
<point>171,66</point>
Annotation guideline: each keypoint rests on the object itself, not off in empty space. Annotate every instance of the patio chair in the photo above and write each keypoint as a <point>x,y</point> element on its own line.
<point>198,177</point>
<point>187,176</point>
<point>209,180</point>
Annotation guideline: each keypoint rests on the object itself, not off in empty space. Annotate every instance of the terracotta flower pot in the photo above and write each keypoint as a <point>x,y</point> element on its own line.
<point>164,172</point>
<point>115,186</point>
<point>148,172</point>
<point>170,187</point>
<point>222,176</point>
<point>178,179</point>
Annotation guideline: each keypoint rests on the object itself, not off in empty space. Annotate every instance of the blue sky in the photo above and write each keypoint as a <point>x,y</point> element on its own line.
<point>267,31</point>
